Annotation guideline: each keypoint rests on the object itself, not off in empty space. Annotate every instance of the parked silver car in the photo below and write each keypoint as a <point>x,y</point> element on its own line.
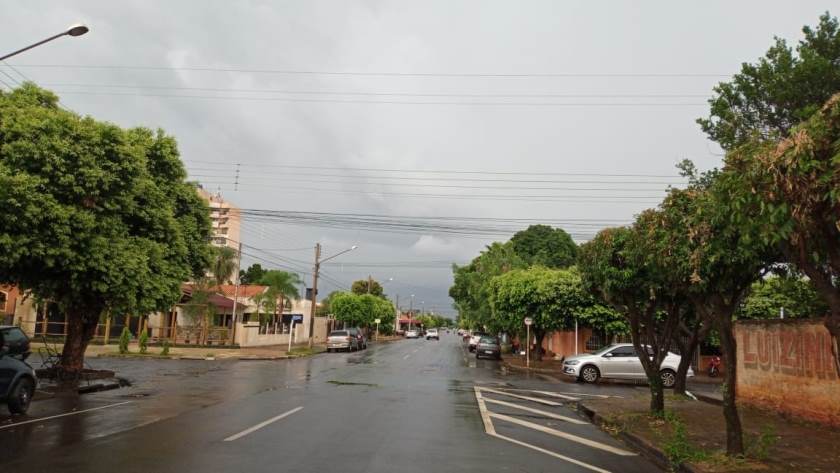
<point>347,339</point>
<point>618,361</point>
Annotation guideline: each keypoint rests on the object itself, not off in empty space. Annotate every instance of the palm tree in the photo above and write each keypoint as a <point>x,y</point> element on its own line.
<point>282,286</point>
<point>223,264</point>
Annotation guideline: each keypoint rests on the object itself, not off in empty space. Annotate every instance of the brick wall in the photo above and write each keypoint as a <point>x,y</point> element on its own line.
<point>787,365</point>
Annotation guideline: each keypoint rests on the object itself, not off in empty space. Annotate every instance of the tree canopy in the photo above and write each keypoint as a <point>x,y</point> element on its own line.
<point>792,292</point>
<point>96,217</point>
<point>542,245</point>
<point>786,86</point>
<point>251,275</point>
<point>553,298</point>
<point>364,286</point>
<point>361,309</point>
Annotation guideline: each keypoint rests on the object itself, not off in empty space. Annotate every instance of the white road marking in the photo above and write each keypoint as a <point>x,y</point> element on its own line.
<point>262,424</point>
<point>553,454</point>
<point>406,357</point>
<point>482,408</point>
<point>561,434</point>
<point>552,415</point>
<point>545,393</point>
<point>526,398</point>
<point>64,415</point>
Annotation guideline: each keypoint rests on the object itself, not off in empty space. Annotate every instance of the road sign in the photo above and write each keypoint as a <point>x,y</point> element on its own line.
<point>529,321</point>
<point>377,321</point>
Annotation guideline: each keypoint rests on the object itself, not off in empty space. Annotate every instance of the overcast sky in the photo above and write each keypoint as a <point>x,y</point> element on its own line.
<point>554,88</point>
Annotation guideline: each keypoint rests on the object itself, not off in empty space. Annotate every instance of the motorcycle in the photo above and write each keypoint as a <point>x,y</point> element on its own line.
<point>714,367</point>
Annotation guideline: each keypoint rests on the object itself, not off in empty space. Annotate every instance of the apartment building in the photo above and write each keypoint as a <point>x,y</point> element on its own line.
<point>225,218</point>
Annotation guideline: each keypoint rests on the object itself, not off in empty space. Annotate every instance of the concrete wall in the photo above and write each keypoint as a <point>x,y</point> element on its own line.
<point>787,365</point>
<point>562,343</point>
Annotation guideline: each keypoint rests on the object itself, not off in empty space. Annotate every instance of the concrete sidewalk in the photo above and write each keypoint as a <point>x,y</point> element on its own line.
<point>273,352</point>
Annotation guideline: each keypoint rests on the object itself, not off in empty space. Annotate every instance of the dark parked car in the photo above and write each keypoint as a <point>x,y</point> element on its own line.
<point>17,378</point>
<point>488,346</point>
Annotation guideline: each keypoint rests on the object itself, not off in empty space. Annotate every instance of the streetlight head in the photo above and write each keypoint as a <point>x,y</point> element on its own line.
<point>77,30</point>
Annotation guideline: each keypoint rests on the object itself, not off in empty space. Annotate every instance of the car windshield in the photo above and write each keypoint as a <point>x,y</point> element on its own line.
<point>338,333</point>
<point>488,340</point>
<point>604,350</point>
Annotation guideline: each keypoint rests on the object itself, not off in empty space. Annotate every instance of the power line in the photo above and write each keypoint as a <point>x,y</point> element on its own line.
<point>439,171</point>
<point>381,73</point>
<point>390,102</point>
<point>377,94</point>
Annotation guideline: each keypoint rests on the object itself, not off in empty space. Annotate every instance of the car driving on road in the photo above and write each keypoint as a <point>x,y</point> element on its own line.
<point>488,347</point>
<point>412,334</point>
<point>432,333</point>
<point>618,361</point>
<point>17,378</point>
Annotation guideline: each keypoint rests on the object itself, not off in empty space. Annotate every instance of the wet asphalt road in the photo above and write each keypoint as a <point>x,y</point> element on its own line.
<point>408,406</point>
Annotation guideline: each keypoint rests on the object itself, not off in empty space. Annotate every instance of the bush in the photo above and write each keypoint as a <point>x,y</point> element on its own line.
<point>143,341</point>
<point>125,338</point>
<point>165,350</point>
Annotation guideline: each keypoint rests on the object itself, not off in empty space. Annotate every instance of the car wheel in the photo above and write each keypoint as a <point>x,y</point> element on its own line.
<point>21,396</point>
<point>590,374</point>
<point>668,377</point>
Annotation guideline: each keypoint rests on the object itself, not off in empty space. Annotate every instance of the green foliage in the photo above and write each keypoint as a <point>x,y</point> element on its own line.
<point>759,446</point>
<point>282,287</point>
<point>553,298</point>
<point>325,307</point>
<point>768,98</point>
<point>471,287</point>
<point>362,310</point>
<point>223,264</point>
<point>361,287</point>
<point>103,216</point>
<point>143,342</point>
<point>125,339</point>
<point>165,350</point>
<point>796,294</point>
<point>252,275</point>
<point>542,245</point>
<point>677,447</point>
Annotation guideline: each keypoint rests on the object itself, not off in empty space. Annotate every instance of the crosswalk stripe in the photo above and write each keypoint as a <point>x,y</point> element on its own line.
<point>561,434</point>
<point>519,396</point>
<point>551,415</point>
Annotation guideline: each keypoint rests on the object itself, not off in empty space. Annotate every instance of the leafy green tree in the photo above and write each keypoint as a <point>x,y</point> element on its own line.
<point>252,275</point>
<point>324,307</point>
<point>551,297</point>
<point>542,245</point>
<point>622,269</point>
<point>98,218</point>
<point>361,287</point>
<point>362,310</point>
<point>786,86</point>
<point>792,292</point>
<point>787,192</point>
<point>471,288</point>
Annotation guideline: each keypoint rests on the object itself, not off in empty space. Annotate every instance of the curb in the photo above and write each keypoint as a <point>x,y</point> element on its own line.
<point>647,449</point>
<point>707,398</point>
<point>535,370</point>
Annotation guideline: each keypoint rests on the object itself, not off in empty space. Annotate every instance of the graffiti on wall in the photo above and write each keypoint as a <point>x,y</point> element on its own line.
<point>803,352</point>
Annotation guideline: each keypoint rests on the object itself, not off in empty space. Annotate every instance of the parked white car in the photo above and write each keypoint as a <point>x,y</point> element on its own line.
<point>412,334</point>
<point>618,362</point>
<point>474,338</point>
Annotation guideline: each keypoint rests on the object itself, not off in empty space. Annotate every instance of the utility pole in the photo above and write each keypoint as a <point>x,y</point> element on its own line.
<point>235,295</point>
<point>370,283</point>
<point>399,314</point>
<point>314,292</point>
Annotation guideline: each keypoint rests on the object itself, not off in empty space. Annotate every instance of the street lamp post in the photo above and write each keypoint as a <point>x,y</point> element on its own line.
<point>74,30</point>
<point>318,262</point>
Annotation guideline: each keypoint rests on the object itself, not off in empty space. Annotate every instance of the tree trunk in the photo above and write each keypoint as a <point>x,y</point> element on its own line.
<point>682,370</point>
<point>539,335</point>
<point>657,395</point>
<point>80,331</point>
<point>734,432</point>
